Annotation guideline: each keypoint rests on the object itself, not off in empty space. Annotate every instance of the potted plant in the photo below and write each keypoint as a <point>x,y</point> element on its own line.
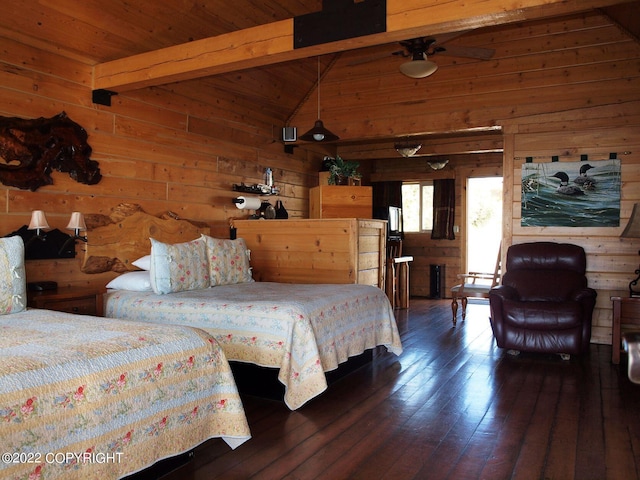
<point>341,170</point>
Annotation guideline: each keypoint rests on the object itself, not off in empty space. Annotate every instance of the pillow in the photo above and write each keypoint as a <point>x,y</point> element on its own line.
<point>228,261</point>
<point>143,263</point>
<point>178,267</point>
<point>133,281</point>
<point>13,284</point>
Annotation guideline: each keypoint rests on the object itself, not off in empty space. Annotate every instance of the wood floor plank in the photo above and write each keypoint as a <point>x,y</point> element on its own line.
<point>452,406</point>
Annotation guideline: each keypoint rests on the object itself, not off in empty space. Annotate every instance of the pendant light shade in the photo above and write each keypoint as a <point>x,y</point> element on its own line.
<point>407,149</point>
<point>438,165</point>
<point>418,66</point>
<point>318,133</point>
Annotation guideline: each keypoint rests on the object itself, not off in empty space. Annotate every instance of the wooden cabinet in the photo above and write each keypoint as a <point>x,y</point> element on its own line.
<point>82,301</point>
<point>340,201</point>
<point>345,250</point>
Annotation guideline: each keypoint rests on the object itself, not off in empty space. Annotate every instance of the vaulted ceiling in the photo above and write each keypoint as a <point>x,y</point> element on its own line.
<point>278,81</point>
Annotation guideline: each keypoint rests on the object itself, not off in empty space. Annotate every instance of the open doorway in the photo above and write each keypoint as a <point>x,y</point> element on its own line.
<point>484,223</point>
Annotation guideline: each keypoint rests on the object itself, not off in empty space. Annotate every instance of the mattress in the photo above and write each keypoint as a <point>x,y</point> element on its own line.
<point>304,330</point>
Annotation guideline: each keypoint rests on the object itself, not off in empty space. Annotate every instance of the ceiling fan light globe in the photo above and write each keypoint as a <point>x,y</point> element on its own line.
<point>420,68</point>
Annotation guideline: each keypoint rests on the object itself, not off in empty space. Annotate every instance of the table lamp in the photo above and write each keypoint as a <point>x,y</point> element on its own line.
<point>632,230</point>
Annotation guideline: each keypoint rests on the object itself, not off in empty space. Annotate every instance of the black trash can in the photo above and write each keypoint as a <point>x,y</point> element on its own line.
<point>436,274</point>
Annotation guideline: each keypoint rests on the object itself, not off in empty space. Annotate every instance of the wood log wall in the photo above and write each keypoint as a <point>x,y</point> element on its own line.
<point>166,149</point>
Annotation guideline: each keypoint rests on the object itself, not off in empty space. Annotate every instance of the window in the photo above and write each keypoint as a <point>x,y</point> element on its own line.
<point>417,206</point>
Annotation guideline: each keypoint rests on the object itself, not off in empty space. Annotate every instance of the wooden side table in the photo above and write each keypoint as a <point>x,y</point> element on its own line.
<point>626,317</point>
<point>79,300</point>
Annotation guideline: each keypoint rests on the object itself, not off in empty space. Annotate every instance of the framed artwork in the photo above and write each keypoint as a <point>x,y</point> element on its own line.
<point>571,194</point>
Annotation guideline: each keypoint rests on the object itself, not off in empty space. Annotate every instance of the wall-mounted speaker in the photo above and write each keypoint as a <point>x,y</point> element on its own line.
<point>289,134</point>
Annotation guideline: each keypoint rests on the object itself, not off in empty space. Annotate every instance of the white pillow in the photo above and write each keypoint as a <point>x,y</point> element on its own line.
<point>178,267</point>
<point>133,281</point>
<point>143,263</point>
<point>228,261</point>
<point>13,284</point>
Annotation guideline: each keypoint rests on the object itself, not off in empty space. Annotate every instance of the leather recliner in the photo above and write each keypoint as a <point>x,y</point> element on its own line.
<point>543,303</point>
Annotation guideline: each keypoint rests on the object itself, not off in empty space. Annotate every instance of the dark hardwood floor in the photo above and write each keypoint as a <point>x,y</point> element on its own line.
<point>452,406</point>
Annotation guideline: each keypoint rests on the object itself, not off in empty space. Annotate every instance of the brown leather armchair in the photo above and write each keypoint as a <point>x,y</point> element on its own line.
<point>543,304</point>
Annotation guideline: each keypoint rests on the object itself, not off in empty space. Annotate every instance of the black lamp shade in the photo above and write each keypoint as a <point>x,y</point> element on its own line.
<point>319,134</point>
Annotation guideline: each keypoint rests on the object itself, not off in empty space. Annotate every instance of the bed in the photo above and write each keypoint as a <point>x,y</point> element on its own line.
<point>122,394</point>
<point>89,397</point>
<point>303,330</point>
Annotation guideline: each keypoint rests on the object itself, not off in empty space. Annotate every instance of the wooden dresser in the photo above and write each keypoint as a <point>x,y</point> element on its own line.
<point>340,201</point>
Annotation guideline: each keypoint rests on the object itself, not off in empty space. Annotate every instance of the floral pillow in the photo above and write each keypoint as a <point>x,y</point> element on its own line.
<point>12,275</point>
<point>178,267</point>
<point>228,261</point>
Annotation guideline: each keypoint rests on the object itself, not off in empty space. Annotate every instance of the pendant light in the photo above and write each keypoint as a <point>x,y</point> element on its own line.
<point>318,133</point>
<point>407,149</point>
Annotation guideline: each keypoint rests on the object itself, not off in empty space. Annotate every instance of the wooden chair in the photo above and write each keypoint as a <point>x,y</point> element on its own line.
<point>470,288</point>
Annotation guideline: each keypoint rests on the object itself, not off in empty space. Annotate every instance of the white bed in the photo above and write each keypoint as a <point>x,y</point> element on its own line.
<point>303,330</point>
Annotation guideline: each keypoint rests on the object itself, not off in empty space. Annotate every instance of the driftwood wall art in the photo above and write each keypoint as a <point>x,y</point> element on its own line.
<point>31,148</point>
<point>117,240</point>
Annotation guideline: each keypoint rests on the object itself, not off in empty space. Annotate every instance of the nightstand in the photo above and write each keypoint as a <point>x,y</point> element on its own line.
<point>83,301</point>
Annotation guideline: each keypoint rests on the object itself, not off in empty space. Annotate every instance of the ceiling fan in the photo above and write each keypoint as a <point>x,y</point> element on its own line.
<point>419,49</point>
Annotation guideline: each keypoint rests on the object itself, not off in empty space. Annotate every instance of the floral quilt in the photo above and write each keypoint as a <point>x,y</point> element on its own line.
<point>88,397</point>
<point>304,330</point>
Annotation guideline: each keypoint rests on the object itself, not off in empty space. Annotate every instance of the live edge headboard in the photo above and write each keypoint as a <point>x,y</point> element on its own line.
<point>117,240</point>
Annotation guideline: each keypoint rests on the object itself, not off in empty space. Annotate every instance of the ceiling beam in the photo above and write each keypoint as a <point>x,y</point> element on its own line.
<point>274,42</point>
<point>490,142</point>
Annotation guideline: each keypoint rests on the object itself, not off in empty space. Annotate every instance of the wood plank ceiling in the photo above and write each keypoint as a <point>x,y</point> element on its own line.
<point>95,32</point>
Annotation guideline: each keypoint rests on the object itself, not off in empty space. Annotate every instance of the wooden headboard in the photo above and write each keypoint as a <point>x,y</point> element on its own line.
<point>117,240</point>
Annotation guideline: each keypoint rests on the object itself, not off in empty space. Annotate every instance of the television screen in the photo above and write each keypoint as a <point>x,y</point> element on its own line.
<point>395,222</point>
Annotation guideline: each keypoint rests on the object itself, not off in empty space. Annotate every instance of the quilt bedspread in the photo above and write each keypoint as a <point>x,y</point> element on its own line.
<point>302,329</point>
<point>87,397</point>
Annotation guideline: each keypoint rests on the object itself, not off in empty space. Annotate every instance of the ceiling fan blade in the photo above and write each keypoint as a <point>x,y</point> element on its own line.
<point>469,52</point>
<point>447,37</point>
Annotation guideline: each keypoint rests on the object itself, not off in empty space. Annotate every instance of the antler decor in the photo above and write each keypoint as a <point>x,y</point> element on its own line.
<point>31,148</point>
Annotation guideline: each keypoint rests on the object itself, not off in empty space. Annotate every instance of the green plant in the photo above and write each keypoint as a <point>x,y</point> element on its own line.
<point>340,168</point>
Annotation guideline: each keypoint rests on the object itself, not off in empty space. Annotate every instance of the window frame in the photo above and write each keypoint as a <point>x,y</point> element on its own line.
<point>421,185</point>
